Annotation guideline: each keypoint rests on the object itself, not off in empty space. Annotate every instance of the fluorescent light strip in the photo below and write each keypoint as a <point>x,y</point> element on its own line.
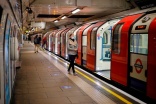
<point>75,11</point>
<point>56,21</point>
<point>63,17</point>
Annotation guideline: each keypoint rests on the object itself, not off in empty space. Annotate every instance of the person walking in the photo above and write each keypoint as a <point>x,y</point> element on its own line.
<point>72,52</point>
<point>36,43</point>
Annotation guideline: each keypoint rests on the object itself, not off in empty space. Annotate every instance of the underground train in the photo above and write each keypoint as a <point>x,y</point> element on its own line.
<point>10,40</point>
<point>120,49</point>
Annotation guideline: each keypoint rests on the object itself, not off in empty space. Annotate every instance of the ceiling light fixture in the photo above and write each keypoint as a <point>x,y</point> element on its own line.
<point>75,11</point>
<point>56,21</point>
<point>63,17</point>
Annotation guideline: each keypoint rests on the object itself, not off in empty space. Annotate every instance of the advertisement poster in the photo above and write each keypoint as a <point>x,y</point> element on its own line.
<point>7,62</point>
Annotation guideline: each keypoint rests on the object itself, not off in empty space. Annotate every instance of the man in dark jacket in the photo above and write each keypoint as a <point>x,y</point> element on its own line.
<point>36,43</point>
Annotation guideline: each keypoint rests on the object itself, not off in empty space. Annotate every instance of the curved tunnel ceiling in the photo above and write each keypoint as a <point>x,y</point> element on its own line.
<point>50,10</point>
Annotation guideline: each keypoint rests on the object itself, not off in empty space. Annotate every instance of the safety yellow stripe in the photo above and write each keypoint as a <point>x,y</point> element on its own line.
<point>113,93</point>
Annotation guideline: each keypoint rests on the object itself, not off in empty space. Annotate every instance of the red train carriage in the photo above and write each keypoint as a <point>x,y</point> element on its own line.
<point>133,53</point>
<point>142,57</point>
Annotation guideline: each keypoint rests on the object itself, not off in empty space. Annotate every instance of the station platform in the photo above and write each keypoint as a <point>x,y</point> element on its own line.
<point>43,79</point>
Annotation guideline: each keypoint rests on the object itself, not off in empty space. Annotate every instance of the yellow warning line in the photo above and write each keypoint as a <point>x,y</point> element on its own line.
<point>110,91</point>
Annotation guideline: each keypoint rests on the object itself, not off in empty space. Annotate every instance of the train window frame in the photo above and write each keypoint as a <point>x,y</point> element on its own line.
<point>116,41</point>
<point>93,38</point>
<point>139,48</point>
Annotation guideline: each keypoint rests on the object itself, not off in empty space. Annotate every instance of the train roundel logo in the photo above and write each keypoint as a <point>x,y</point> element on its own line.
<point>138,66</point>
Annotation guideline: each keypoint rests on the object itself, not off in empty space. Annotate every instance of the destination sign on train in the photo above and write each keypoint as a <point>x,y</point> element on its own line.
<point>140,27</point>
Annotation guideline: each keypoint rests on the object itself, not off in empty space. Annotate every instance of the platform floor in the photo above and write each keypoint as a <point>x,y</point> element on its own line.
<point>43,79</point>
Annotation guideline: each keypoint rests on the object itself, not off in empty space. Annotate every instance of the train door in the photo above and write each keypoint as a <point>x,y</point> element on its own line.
<point>139,45</point>
<point>49,41</point>
<point>103,48</point>
<point>138,61</point>
<point>57,41</point>
<point>84,47</point>
<point>62,44</point>
<point>79,34</point>
<point>54,39</point>
<point>91,44</point>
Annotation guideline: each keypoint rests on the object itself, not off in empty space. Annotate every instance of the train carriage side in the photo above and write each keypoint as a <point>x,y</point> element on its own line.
<point>142,55</point>
<point>119,61</point>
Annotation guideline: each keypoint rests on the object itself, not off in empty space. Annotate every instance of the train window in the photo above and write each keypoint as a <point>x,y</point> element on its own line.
<point>139,43</point>
<point>93,37</point>
<point>84,40</point>
<point>116,39</point>
<point>105,38</point>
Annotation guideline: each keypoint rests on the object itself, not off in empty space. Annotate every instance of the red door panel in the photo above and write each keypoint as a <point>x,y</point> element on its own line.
<point>79,36</point>
<point>91,52</point>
